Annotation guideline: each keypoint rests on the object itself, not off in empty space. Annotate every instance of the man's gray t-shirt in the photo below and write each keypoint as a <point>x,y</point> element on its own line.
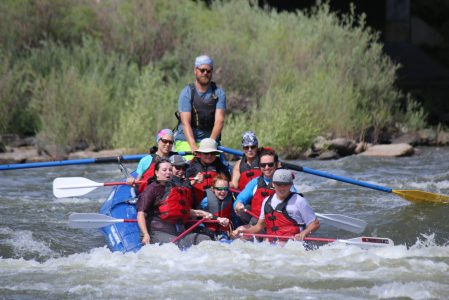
<point>297,207</point>
<point>185,105</point>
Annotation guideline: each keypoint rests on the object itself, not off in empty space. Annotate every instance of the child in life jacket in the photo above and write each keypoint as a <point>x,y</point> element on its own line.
<point>218,201</point>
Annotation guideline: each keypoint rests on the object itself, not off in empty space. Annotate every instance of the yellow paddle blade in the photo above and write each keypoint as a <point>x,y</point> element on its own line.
<point>421,196</point>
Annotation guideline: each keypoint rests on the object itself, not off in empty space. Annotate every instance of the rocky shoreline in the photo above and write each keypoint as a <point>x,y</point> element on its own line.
<point>14,149</point>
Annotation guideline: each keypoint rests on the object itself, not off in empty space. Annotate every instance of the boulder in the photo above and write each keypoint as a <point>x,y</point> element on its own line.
<point>443,138</point>
<point>427,137</point>
<point>392,150</point>
<point>328,154</point>
<point>22,155</point>
<point>411,138</point>
<point>343,146</point>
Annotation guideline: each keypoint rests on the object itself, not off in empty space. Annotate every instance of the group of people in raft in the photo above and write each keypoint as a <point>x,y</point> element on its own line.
<point>174,193</point>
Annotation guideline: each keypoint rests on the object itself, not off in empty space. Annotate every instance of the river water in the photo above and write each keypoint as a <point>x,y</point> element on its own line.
<point>42,258</point>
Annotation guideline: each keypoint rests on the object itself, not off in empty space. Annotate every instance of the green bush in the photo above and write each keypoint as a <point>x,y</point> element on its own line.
<point>288,76</point>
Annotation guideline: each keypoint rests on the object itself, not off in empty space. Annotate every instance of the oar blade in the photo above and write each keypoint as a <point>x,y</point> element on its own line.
<point>91,220</point>
<point>64,187</point>
<point>369,242</point>
<point>417,196</point>
<point>344,222</point>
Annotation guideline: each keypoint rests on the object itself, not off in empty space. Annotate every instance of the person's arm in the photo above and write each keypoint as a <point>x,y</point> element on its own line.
<point>260,225</point>
<point>218,125</point>
<point>186,118</point>
<point>308,216</point>
<point>143,227</point>
<point>314,226</point>
<point>245,196</point>
<point>235,175</point>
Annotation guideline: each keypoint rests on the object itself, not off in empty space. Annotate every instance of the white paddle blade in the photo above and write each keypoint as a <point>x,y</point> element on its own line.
<point>369,242</point>
<point>344,222</point>
<point>73,186</point>
<point>91,220</point>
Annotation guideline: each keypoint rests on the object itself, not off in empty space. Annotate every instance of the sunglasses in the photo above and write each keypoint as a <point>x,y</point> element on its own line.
<point>209,153</point>
<point>208,71</point>
<point>221,188</point>
<point>263,165</point>
<point>166,141</point>
<point>246,148</point>
<point>180,168</point>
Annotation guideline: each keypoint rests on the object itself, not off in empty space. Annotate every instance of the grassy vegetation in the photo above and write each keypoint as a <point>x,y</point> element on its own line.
<point>109,72</point>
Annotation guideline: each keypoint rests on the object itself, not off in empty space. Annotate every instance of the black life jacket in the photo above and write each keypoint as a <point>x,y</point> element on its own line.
<point>203,113</point>
<point>209,172</point>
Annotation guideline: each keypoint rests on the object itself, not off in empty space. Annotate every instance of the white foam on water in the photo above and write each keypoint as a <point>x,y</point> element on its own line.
<point>237,270</point>
<point>23,242</point>
<point>77,200</point>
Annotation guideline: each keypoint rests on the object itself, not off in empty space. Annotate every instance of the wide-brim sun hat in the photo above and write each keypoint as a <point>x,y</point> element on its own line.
<point>283,176</point>
<point>208,145</point>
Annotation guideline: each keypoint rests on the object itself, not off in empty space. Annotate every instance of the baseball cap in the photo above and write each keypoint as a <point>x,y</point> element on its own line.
<point>178,160</point>
<point>283,176</point>
<point>249,139</point>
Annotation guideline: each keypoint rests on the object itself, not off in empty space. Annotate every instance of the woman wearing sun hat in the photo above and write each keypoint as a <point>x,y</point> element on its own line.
<point>247,167</point>
<point>206,165</point>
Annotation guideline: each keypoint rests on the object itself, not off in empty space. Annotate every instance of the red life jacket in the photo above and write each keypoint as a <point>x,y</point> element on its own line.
<point>209,172</point>
<point>149,173</point>
<point>278,221</point>
<point>176,203</point>
<point>219,208</point>
<point>263,190</point>
<point>248,172</point>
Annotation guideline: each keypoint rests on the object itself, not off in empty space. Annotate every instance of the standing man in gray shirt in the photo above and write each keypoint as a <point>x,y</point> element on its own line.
<point>201,107</point>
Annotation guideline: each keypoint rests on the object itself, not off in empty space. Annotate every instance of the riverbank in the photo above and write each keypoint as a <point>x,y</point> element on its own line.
<point>14,149</point>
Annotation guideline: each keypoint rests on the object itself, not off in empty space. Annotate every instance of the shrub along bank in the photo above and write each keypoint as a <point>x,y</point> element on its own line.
<point>108,73</point>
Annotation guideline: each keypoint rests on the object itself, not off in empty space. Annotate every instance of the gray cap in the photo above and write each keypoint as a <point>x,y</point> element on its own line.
<point>283,176</point>
<point>178,160</point>
<point>249,139</point>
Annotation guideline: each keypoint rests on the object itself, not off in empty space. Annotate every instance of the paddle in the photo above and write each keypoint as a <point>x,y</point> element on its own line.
<point>64,187</point>
<point>358,241</point>
<point>339,221</point>
<point>94,220</point>
<point>83,161</point>
<point>410,195</point>
<point>77,186</point>
<point>188,230</point>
